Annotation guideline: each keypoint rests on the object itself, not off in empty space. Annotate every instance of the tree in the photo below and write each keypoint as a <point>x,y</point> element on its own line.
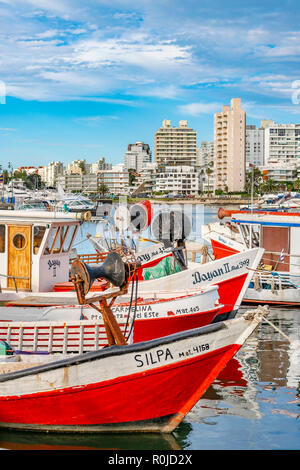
<point>103,189</point>
<point>82,167</point>
<point>296,185</point>
<point>209,171</point>
<point>268,186</point>
<point>257,179</point>
<point>132,176</point>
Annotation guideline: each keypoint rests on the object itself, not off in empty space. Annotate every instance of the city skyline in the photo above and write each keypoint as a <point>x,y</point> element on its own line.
<point>85,79</point>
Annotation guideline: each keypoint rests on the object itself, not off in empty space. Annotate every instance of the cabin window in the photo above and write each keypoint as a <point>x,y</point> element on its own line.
<point>56,245</point>
<point>69,238</point>
<point>2,238</point>
<point>59,239</point>
<point>38,235</point>
<point>19,241</point>
<point>50,241</point>
<point>254,232</point>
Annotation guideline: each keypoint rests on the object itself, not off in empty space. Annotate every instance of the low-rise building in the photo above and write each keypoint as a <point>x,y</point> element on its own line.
<point>116,179</point>
<point>280,172</point>
<point>178,180</point>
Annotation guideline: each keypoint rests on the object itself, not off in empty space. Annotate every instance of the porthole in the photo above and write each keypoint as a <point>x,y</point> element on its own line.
<point>19,241</point>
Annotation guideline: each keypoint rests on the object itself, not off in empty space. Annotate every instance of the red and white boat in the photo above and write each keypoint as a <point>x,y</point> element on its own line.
<point>81,328</point>
<point>277,280</point>
<point>232,275</point>
<point>143,387</point>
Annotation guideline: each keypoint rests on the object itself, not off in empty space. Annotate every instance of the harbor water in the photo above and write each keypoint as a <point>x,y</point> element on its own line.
<point>254,404</point>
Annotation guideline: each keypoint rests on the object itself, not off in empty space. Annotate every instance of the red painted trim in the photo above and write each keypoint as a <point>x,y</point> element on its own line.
<point>147,329</point>
<point>222,251</point>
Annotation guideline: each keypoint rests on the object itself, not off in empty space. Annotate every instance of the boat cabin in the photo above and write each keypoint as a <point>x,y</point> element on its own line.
<point>278,234</point>
<point>35,248</point>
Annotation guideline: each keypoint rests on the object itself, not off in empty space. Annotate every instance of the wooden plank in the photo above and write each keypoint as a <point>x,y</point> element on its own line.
<point>19,258</point>
<point>274,239</point>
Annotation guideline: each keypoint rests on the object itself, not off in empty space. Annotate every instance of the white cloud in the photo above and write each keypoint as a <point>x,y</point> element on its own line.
<point>195,109</point>
<point>94,121</point>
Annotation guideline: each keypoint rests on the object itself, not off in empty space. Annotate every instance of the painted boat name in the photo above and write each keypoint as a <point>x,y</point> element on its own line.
<point>225,269</point>
<point>164,355</point>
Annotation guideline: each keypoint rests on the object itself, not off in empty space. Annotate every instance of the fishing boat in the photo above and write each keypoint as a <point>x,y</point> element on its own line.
<point>232,276</point>
<point>277,280</point>
<point>143,387</point>
<point>79,328</point>
<point>35,250</point>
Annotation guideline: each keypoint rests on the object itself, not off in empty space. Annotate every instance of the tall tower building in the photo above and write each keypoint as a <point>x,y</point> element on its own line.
<point>230,143</point>
<point>175,145</point>
<point>255,146</point>
<point>137,156</point>
<point>205,154</point>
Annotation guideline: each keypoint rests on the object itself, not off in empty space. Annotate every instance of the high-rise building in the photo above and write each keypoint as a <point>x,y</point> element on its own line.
<point>281,142</point>
<point>230,137</point>
<point>50,173</point>
<point>137,156</point>
<point>175,145</point>
<point>254,146</point>
<point>205,154</point>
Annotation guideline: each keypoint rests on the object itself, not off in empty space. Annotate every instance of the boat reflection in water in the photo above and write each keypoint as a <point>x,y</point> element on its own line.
<point>15,440</point>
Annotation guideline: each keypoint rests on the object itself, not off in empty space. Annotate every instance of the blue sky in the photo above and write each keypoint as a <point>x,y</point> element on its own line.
<point>83,79</point>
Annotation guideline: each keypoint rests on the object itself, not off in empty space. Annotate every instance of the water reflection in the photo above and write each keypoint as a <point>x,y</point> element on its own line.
<point>261,385</point>
<point>18,440</point>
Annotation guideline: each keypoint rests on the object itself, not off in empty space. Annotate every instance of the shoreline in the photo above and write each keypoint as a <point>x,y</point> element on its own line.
<point>206,201</point>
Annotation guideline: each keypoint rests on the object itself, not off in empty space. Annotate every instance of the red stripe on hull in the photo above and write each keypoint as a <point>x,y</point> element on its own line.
<point>229,292</point>
<point>145,330</point>
<point>222,251</point>
<point>142,396</point>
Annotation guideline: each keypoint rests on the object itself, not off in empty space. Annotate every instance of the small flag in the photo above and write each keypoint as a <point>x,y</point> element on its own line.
<point>2,178</point>
<point>282,255</point>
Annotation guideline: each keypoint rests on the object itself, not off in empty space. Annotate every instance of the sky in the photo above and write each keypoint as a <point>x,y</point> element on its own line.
<point>83,79</point>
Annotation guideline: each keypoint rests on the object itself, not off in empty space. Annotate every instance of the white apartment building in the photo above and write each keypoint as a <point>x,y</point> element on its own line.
<point>178,180</point>
<point>50,173</point>
<point>75,167</point>
<point>175,145</point>
<point>137,156</point>
<point>79,182</point>
<point>281,142</point>
<point>116,179</point>
<point>255,149</point>
<point>280,172</point>
<point>205,154</point>
<point>229,137</point>
<point>145,180</point>
<point>97,166</point>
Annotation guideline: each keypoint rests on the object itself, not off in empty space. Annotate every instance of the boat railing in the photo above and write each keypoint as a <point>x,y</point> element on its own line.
<point>275,280</point>
<point>76,336</point>
<point>14,279</point>
<point>90,258</point>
